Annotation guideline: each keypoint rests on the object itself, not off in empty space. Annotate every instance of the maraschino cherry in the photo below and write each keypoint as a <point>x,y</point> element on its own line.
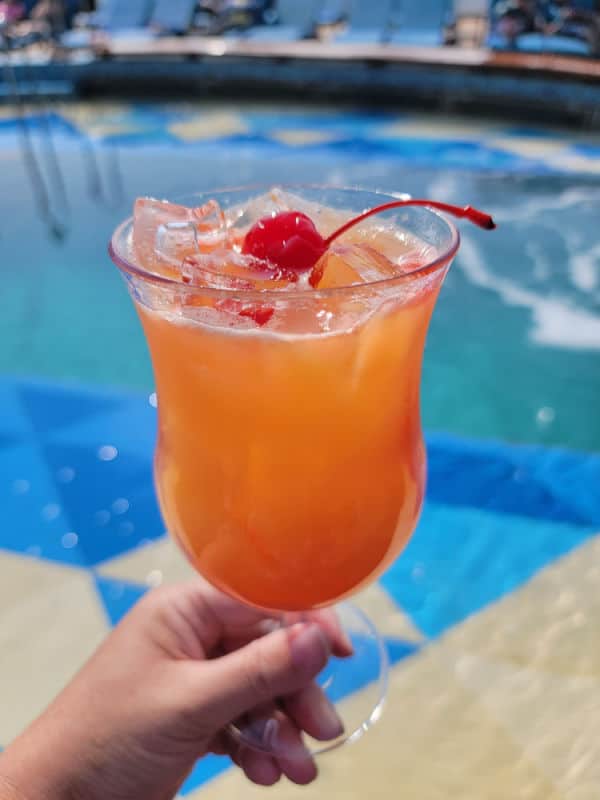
<point>290,241</point>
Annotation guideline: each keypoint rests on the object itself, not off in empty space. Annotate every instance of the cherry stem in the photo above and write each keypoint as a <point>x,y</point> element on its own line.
<point>468,212</point>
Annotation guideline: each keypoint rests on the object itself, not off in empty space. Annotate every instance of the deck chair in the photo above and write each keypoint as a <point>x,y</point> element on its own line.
<point>559,45</point>
<point>368,22</point>
<point>119,17</point>
<point>127,14</point>
<point>420,22</point>
<point>295,19</point>
<point>332,12</point>
<point>173,16</point>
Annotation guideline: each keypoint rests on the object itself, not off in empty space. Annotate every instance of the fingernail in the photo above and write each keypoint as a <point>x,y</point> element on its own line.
<point>263,733</point>
<point>309,648</point>
<point>329,722</point>
<point>346,643</point>
<point>271,734</point>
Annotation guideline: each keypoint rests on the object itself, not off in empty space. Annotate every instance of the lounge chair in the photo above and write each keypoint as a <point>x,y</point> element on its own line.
<point>119,17</point>
<point>332,12</point>
<point>294,20</point>
<point>173,16</point>
<point>369,22</point>
<point>420,22</point>
<point>560,45</point>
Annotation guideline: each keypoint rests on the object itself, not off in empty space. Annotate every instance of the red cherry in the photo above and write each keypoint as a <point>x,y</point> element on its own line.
<point>261,314</point>
<point>289,240</point>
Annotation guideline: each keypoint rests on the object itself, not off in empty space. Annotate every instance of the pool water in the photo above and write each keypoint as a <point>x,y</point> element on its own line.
<point>490,616</point>
<point>513,348</point>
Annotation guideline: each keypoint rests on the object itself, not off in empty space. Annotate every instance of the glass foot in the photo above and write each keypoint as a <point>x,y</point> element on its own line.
<point>357,687</point>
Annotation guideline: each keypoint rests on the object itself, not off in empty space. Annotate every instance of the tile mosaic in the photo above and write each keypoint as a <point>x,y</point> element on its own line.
<point>550,624</point>
<point>208,126</point>
<point>110,502</point>
<point>498,552</point>
<point>160,561</point>
<point>554,721</point>
<point>33,518</point>
<point>117,597</point>
<point>503,567</point>
<point>533,482</point>
<point>434,741</point>
<point>50,623</point>
<point>49,410</point>
<point>300,138</point>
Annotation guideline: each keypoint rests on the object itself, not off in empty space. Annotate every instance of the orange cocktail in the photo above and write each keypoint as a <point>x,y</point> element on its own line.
<point>290,464</point>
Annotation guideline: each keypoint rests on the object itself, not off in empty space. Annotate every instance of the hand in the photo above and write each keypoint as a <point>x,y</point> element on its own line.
<point>160,692</point>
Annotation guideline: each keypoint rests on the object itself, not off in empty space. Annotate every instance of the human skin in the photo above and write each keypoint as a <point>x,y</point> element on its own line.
<point>160,692</point>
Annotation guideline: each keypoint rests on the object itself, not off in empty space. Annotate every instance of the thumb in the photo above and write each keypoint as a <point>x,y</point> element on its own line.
<point>277,664</point>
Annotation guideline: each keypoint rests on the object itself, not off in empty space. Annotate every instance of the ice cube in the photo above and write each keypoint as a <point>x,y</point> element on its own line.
<point>210,226</point>
<point>244,215</point>
<point>149,216</point>
<point>175,241</point>
<point>227,269</point>
<point>349,265</point>
<point>404,251</point>
<point>164,234</point>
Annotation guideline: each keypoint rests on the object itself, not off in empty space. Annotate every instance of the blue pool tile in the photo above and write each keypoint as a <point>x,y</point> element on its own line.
<point>110,498</point>
<point>205,770</point>
<point>365,666</point>
<point>118,597</point>
<point>527,132</point>
<point>33,518</point>
<point>573,478</point>
<point>586,149</point>
<point>514,480</point>
<point>152,137</point>
<point>50,407</point>
<point>49,121</point>
<point>14,420</point>
<point>358,123</point>
<point>461,559</point>
<point>130,425</point>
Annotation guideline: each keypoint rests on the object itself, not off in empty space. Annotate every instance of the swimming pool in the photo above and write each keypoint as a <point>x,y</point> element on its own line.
<point>513,348</point>
<point>490,615</point>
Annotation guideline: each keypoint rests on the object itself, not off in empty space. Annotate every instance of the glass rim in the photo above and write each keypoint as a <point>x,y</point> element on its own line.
<point>430,267</point>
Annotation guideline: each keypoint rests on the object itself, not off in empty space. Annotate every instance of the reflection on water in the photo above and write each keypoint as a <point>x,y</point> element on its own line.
<point>513,349</point>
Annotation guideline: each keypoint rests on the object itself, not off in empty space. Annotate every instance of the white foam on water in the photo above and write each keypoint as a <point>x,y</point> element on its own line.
<point>541,266</point>
<point>556,322</point>
<point>533,209</point>
<point>584,268</point>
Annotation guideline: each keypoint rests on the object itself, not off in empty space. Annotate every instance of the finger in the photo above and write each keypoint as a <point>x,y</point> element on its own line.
<point>328,619</point>
<point>311,711</point>
<point>233,642</point>
<point>220,745</point>
<point>275,665</point>
<point>281,736</point>
<point>292,756</point>
<point>258,767</point>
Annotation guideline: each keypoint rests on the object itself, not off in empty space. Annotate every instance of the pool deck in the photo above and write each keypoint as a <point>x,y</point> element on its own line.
<point>490,615</point>
<point>462,76</point>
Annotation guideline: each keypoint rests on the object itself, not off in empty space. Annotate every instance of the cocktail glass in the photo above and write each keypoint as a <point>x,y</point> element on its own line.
<point>290,464</point>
